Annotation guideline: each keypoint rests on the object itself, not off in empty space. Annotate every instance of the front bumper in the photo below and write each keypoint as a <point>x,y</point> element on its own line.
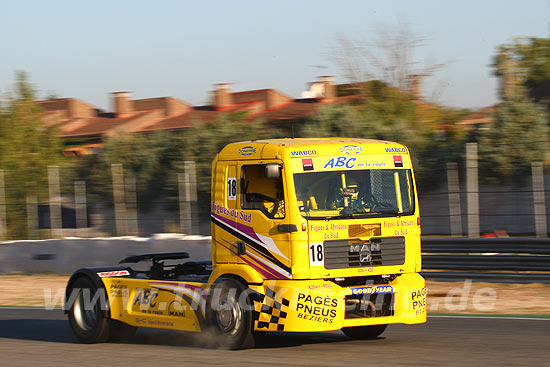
<point>318,305</point>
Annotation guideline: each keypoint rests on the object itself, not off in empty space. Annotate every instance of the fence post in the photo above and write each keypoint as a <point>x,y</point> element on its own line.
<point>472,189</point>
<point>538,199</point>
<point>190,168</point>
<point>56,224</point>
<point>118,197</point>
<point>131,205</point>
<point>80,208</point>
<point>32,212</point>
<point>185,202</point>
<point>455,213</point>
<point>3,219</point>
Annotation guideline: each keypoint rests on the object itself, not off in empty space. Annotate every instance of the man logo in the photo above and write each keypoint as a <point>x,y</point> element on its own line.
<point>176,309</point>
<point>364,251</point>
<point>366,247</point>
<point>365,258</point>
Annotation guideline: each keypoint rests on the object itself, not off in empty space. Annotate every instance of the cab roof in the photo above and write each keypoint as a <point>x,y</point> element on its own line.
<point>301,147</point>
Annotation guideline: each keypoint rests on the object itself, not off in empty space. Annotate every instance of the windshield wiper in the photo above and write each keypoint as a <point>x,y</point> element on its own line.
<point>385,211</point>
<point>358,214</point>
<point>340,216</point>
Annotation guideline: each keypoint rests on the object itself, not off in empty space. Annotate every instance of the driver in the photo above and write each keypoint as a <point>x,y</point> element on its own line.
<point>262,193</point>
<point>347,194</point>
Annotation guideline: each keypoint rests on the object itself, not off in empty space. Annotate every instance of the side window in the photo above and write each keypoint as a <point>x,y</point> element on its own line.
<point>259,192</point>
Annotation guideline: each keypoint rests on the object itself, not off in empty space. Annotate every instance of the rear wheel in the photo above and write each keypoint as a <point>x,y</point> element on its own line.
<point>87,315</point>
<point>364,332</point>
<point>229,315</point>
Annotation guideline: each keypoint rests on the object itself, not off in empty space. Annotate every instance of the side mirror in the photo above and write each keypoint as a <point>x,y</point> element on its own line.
<point>272,170</point>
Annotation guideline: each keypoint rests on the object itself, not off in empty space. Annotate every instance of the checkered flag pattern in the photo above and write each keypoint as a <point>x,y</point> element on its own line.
<point>270,313</point>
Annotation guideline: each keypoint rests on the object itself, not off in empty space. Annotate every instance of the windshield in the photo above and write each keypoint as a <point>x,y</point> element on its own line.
<point>355,193</point>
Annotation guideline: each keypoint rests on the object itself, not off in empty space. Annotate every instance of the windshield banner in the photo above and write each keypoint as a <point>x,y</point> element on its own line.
<point>351,162</point>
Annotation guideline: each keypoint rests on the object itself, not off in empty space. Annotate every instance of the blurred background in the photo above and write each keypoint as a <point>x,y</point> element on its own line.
<point>112,111</point>
<point>110,115</point>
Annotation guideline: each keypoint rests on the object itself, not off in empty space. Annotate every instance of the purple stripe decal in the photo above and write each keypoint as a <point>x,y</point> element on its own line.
<point>274,273</point>
<point>264,273</point>
<point>265,269</point>
<point>249,231</point>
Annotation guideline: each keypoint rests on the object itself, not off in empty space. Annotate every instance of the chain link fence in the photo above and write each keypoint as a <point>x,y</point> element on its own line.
<point>64,207</point>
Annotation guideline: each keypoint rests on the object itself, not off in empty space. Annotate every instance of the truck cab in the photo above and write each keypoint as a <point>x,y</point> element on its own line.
<point>338,217</point>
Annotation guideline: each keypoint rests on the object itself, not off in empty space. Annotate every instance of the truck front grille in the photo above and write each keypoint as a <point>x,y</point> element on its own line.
<point>355,253</point>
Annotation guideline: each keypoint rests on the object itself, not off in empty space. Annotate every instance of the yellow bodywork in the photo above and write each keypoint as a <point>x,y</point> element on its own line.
<point>284,305</point>
<point>270,240</point>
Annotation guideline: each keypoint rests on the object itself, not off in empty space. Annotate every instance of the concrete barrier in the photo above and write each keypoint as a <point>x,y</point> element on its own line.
<point>66,255</point>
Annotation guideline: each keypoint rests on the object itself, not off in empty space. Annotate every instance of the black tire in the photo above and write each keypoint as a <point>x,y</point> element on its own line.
<point>364,332</point>
<point>88,320</point>
<point>229,315</point>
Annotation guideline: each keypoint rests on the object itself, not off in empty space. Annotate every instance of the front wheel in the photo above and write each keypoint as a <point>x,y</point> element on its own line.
<point>364,332</point>
<point>229,315</point>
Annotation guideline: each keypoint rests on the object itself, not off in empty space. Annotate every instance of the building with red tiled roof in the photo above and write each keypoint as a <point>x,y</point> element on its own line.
<point>86,126</point>
<point>480,117</point>
<point>77,120</point>
<point>507,83</point>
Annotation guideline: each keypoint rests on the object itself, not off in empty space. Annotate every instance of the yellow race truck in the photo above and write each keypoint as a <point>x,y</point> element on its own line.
<point>307,235</point>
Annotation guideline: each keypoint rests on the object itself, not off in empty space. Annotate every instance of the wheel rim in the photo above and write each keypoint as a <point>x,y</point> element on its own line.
<point>85,315</point>
<point>229,316</point>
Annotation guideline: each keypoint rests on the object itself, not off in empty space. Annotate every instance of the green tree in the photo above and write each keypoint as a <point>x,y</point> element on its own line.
<point>528,59</point>
<point>517,136</point>
<point>394,117</point>
<point>155,159</point>
<point>148,158</point>
<point>204,140</point>
<point>27,148</point>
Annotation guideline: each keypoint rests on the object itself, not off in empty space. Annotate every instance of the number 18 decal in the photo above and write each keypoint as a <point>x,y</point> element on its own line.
<point>231,188</point>
<point>316,254</point>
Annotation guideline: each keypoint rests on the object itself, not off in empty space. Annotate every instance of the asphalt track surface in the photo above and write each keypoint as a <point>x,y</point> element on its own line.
<point>43,338</point>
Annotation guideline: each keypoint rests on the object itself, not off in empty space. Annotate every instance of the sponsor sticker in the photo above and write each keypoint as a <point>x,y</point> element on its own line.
<point>303,152</point>
<point>395,150</point>
<point>418,299</point>
<point>340,162</point>
<point>397,161</point>
<point>119,290</point>
<point>372,290</point>
<point>115,273</point>
<point>248,150</point>
<point>316,308</point>
<point>307,163</point>
<point>351,149</point>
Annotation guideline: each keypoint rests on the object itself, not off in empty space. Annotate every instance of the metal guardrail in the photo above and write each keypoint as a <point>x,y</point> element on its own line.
<point>515,260</point>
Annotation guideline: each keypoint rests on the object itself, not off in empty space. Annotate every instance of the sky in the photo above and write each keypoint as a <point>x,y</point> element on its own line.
<point>87,50</point>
